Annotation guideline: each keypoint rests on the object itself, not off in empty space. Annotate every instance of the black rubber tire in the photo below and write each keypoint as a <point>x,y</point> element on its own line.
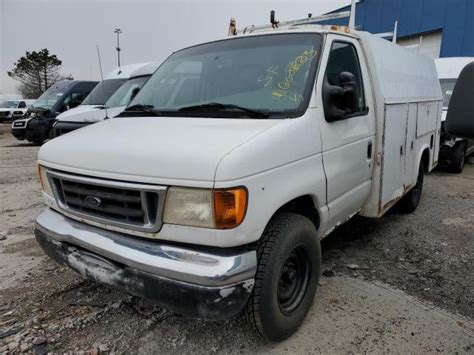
<point>458,158</point>
<point>285,232</point>
<point>411,200</point>
<point>36,141</point>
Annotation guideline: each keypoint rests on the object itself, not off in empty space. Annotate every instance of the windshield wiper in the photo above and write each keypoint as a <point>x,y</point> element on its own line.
<point>143,108</point>
<point>221,107</point>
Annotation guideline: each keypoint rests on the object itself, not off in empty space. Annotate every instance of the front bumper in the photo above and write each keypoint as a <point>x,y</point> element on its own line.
<point>190,282</point>
<point>38,129</point>
<point>19,133</point>
<point>5,116</point>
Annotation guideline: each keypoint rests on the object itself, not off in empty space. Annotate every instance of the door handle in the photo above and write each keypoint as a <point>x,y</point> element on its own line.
<point>369,150</point>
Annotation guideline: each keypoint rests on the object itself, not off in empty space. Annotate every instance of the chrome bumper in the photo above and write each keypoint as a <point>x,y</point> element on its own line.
<point>192,282</point>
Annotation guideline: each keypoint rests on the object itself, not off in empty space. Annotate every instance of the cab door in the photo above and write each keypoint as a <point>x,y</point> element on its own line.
<point>347,126</point>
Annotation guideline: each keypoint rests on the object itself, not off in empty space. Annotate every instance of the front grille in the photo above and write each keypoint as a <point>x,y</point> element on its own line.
<point>4,113</point>
<point>127,205</point>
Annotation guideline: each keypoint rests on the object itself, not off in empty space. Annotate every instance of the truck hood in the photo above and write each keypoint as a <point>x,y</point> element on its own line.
<point>7,109</point>
<point>88,113</point>
<point>164,150</point>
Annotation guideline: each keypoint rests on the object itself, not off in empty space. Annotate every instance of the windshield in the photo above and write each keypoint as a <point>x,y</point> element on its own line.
<point>447,87</point>
<point>123,95</point>
<point>103,91</point>
<point>272,73</point>
<point>51,96</point>
<point>9,104</point>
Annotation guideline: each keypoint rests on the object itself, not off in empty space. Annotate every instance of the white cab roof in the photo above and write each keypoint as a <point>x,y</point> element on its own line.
<point>125,71</point>
<point>148,69</point>
<point>450,68</point>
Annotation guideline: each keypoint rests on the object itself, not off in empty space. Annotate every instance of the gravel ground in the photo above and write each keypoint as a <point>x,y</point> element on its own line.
<point>403,283</point>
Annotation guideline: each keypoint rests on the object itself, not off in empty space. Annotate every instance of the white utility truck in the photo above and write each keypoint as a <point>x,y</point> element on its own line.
<point>453,150</point>
<point>81,116</point>
<point>214,187</point>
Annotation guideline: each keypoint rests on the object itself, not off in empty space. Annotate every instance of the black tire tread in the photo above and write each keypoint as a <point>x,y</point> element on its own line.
<point>406,204</point>
<point>459,153</point>
<point>264,250</point>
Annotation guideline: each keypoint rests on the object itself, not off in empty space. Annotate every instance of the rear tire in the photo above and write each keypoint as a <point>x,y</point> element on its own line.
<point>411,200</point>
<point>289,264</point>
<point>458,159</point>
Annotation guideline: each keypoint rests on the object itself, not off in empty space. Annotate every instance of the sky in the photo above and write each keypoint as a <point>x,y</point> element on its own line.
<point>152,29</point>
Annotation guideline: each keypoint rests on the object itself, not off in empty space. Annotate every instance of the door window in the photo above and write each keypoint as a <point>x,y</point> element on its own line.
<point>72,100</point>
<point>343,82</point>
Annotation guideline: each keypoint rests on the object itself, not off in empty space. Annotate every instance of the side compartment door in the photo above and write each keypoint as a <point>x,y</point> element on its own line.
<point>394,151</point>
<point>410,164</point>
<point>347,140</point>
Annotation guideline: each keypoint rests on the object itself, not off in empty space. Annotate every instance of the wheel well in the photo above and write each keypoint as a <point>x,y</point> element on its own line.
<point>303,205</point>
<point>425,158</point>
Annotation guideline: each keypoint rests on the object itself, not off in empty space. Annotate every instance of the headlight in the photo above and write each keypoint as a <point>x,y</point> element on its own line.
<point>219,209</point>
<point>43,178</point>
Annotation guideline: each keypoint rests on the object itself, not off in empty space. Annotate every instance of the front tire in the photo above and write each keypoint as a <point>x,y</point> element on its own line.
<point>411,200</point>
<point>289,264</point>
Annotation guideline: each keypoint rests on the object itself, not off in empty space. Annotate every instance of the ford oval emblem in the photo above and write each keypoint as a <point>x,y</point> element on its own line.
<point>93,201</point>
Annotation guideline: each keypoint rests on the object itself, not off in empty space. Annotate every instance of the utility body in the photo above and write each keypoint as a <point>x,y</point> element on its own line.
<point>214,187</point>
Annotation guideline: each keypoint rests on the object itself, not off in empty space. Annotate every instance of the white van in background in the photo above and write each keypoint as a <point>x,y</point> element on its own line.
<point>13,109</point>
<point>453,150</point>
<point>104,90</point>
<point>80,117</point>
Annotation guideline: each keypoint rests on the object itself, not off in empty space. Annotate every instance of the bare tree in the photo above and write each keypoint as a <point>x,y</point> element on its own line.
<point>36,72</point>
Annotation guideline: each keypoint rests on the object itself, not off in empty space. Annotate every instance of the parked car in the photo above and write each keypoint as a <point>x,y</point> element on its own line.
<point>13,109</point>
<point>213,189</point>
<point>454,150</point>
<point>60,97</point>
<point>83,116</point>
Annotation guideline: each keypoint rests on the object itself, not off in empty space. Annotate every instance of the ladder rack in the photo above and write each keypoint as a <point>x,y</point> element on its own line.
<point>303,21</point>
<point>310,20</point>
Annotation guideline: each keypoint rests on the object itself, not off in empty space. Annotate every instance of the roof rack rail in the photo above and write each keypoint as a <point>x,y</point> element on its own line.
<point>310,20</point>
<point>390,34</point>
<point>303,21</point>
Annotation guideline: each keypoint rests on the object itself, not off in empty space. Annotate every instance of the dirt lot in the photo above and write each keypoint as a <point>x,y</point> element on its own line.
<point>403,283</point>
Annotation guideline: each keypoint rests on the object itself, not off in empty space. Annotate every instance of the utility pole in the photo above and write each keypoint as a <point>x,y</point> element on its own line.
<point>118,31</point>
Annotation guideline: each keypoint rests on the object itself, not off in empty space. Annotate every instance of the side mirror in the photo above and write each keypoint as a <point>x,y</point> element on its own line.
<point>351,92</point>
<point>460,118</point>
<point>340,101</point>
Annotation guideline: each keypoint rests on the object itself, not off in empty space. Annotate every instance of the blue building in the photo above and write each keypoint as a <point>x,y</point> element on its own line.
<point>438,28</point>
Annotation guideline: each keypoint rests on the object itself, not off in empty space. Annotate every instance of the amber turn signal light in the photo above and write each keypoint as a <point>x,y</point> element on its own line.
<point>230,206</point>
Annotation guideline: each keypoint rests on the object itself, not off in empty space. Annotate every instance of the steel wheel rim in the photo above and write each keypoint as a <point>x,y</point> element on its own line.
<point>294,279</point>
